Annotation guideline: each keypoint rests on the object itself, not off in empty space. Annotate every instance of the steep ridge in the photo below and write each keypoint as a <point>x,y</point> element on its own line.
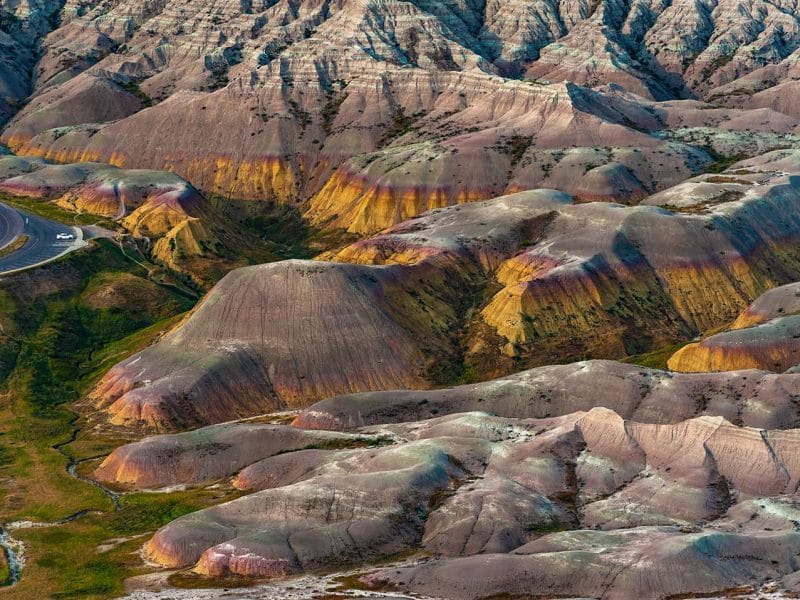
<point>547,280</point>
<point>22,27</point>
<point>379,111</point>
<point>482,494</point>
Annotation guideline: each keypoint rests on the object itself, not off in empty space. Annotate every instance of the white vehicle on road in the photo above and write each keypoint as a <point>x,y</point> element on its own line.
<point>65,236</point>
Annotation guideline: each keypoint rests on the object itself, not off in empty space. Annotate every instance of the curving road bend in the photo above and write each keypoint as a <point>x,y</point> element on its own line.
<point>42,245</point>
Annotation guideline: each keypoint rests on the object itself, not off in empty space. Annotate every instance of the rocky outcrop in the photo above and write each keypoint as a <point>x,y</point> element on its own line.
<point>304,330</point>
<point>84,99</point>
<point>608,259</point>
<point>609,270</point>
<point>366,514</point>
<point>510,152</point>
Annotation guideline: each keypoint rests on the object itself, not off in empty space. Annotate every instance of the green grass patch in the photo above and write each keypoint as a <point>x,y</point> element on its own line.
<point>5,571</point>
<point>721,162</point>
<point>280,229</point>
<point>64,328</point>
<point>91,557</point>
<point>133,88</point>
<point>149,511</point>
<point>114,352</point>
<point>17,244</point>
<point>545,528</point>
<point>655,359</point>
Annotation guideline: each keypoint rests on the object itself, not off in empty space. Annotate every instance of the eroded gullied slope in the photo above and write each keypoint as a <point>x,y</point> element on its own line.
<point>421,104</point>
<point>606,279</point>
<point>269,336</point>
<point>473,144</point>
<point>766,335</point>
<point>479,492</point>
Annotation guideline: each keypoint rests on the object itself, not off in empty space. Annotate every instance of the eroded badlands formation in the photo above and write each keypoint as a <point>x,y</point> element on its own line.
<point>522,185</point>
<point>624,474</point>
<point>630,503</point>
<point>751,398</point>
<point>491,286</point>
<point>647,482</point>
<point>211,453</point>
<point>764,336</point>
<point>376,111</point>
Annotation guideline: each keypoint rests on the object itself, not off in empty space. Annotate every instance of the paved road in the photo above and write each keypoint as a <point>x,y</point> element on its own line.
<point>42,245</point>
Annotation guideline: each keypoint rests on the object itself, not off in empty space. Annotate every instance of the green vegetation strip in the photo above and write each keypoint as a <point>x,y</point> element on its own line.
<point>656,359</point>
<point>17,244</point>
<point>62,326</point>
